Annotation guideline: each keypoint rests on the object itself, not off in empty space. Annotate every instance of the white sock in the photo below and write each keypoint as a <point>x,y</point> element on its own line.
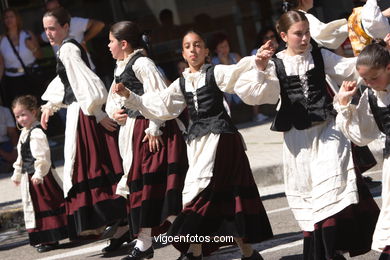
<point>144,239</point>
<point>171,218</point>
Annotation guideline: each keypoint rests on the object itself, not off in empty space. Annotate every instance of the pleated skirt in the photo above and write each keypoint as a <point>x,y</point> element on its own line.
<point>91,202</point>
<point>49,208</point>
<point>229,206</point>
<point>156,179</point>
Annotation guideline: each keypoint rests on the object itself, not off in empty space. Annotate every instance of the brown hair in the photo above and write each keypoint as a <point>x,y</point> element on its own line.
<point>374,55</point>
<point>19,22</point>
<point>288,19</point>
<point>28,101</point>
<point>61,14</point>
<point>128,31</point>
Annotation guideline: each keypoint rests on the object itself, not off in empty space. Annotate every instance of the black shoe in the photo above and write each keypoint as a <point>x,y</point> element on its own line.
<point>189,256</point>
<point>109,231</point>
<point>47,247</point>
<point>116,243</point>
<point>136,254</point>
<point>255,256</point>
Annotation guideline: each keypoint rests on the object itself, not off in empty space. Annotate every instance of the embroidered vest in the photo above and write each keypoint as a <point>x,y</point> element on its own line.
<point>205,108</point>
<point>304,100</point>
<point>27,158</point>
<point>358,37</point>
<point>382,119</point>
<point>69,96</point>
<point>131,82</point>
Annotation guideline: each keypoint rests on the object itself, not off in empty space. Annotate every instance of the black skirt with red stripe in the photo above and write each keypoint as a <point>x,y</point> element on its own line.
<point>92,202</point>
<point>229,206</point>
<point>156,179</point>
<point>385,254</point>
<point>49,207</point>
<point>350,230</point>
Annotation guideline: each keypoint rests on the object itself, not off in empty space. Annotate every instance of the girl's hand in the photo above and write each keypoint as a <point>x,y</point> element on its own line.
<point>45,118</point>
<point>346,92</point>
<point>387,40</point>
<point>36,181</point>
<point>16,183</point>
<point>154,142</point>
<point>120,116</point>
<point>264,54</point>
<point>108,124</point>
<point>121,90</point>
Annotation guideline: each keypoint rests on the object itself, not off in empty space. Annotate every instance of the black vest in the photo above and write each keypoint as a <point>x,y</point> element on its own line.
<point>296,109</point>
<point>69,96</point>
<point>211,116</point>
<point>382,119</point>
<point>27,158</point>
<point>131,82</point>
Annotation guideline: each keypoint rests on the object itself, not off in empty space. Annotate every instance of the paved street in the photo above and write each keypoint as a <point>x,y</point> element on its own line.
<point>286,245</point>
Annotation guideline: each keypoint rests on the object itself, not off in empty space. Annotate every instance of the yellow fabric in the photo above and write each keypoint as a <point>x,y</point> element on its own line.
<point>358,37</point>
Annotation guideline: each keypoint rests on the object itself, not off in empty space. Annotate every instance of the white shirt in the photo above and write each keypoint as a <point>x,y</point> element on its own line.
<point>6,121</point>
<point>9,56</point>
<point>375,24</point>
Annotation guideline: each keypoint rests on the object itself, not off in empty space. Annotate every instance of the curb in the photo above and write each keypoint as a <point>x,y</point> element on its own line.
<point>11,218</point>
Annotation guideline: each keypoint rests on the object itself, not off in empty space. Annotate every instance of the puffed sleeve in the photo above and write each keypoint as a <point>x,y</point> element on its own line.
<point>256,87</point>
<point>375,24</point>
<point>330,35</point>
<point>54,95</point>
<point>226,76</point>
<point>164,105</point>
<point>114,103</point>
<point>357,122</point>
<point>340,68</point>
<point>41,152</point>
<point>17,175</point>
<point>88,89</point>
<point>152,80</point>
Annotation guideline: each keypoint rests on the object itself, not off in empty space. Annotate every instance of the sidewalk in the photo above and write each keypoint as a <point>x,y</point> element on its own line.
<point>264,150</point>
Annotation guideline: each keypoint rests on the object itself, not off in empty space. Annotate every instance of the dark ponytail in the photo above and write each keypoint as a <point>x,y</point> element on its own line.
<point>289,5</point>
<point>375,55</point>
<point>128,31</point>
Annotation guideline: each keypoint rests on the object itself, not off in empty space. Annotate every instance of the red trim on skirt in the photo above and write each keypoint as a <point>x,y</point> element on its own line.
<point>156,179</point>
<point>92,202</point>
<point>49,207</point>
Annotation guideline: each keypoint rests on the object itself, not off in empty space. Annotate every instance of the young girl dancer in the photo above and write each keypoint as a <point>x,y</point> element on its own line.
<point>364,122</point>
<point>331,204</point>
<point>92,164</point>
<point>154,159</point>
<point>219,195</point>
<point>42,196</point>
<point>330,35</point>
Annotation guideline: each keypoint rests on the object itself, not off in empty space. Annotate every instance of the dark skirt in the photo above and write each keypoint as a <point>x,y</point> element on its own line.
<point>92,202</point>
<point>156,179</point>
<point>385,254</point>
<point>229,206</point>
<point>350,230</point>
<point>49,207</point>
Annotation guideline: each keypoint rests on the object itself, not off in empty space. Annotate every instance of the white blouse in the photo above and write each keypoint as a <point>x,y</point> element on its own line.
<point>87,87</point>
<point>40,151</point>
<point>329,35</point>
<point>262,87</point>
<point>10,58</point>
<point>375,24</point>
<point>148,74</point>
